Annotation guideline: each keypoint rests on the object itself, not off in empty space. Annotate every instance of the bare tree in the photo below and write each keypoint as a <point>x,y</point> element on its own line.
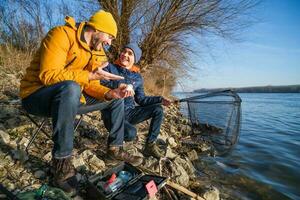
<point>25,22</point>
<point>165,29</point>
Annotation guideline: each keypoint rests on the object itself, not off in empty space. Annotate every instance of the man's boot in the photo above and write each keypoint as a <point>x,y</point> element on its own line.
<point>64,175</point>
<point>119,154</point>
<point>151,149</point>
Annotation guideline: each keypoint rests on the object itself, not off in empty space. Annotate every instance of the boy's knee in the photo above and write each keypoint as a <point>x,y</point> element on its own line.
<point>158,110</point>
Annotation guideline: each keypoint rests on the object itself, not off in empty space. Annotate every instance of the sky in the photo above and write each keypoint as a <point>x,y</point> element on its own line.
<point>269,53</point>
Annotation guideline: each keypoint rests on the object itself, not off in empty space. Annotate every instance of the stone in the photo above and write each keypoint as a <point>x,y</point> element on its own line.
<point>180,175</point>
<point>20,155</point>
<point>40,174</point>
<point>11,186</point>
<point>97,162</point>
<point>212,194</point>
<point>48,156</point>
<point>171,142</point>
<point>205,147</point>
<point>2,127</point>
<point>151,164</point>
<point>4,137</point>
<point>23,142</point>
<point>170,154</point>
<point>79,163</point>
<point>173,130</point>
<point>86,154</point>
<point>12,122</point>
<point>192,155</point>
<point>13,144</point>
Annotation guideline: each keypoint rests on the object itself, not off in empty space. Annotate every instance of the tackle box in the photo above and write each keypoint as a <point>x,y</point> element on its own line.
<point>134,188</point>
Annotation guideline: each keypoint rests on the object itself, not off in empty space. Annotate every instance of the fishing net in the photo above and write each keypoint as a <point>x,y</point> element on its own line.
<point>216,118</point>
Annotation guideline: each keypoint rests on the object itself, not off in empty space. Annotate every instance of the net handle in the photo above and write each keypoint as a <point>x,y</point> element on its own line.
<point>225,93</point>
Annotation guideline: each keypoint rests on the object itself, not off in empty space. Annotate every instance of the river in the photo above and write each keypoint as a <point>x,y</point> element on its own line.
<point>265,164</point>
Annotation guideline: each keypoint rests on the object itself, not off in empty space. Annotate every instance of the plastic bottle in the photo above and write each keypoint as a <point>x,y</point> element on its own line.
<point>114,186</point>
<point>125,176</point>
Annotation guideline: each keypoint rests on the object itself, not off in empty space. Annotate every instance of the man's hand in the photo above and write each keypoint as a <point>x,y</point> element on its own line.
<point>118,93</point>
<point>166,102</point>
<point>100,74</point>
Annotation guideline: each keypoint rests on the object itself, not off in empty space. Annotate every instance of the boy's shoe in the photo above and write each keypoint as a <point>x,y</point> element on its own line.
<point>151,149</point>
<point>119,154</point>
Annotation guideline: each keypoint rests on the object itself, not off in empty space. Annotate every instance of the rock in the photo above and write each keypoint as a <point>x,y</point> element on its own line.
<point>171,142</point>
<point>192,155</point>
<point>151,164</point>
<point>80,178</point>
<point>97,162</point>
<point>40,174</point>
<point>11,186</point>
<point>48,156</point>
<point>20,155</point>
<point>187,165</point>
<point>12,122</point>
<point>205,147</point>
<point>212,194</point>
<point>181,176</point>
<point>2,127</point>
<point>170,154</point>
<point>23,142</point>
<point>13,144</point>
<point>4,137</point>
<point>173,130</point>
<point>86,154</point>
<point>79,163</point>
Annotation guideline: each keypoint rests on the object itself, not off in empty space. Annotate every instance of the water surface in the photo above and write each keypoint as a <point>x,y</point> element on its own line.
<point>266,162</point>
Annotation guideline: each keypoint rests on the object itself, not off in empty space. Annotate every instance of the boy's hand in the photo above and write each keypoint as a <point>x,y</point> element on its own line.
<point>117,93</point>
<point>166,102</point>
<point>129,89</point>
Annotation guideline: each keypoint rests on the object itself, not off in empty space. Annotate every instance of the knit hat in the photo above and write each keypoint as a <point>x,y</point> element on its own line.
<point>104,22</point>
<point>136,51</point>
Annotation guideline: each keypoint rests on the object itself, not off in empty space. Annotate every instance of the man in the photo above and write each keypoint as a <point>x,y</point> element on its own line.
<point>149,106</point>
<point>64,75</point>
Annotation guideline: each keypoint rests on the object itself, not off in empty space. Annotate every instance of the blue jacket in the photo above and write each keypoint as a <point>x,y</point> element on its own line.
<point>136,80</point>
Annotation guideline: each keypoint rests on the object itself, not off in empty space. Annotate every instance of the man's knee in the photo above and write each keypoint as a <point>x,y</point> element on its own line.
<point>70,92</point>
<point>71,88</point>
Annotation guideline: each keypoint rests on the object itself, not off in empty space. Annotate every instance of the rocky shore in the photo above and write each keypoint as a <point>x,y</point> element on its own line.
<point>21,172</point>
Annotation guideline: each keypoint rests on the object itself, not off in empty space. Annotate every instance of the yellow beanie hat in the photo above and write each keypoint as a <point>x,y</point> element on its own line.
<point>104,22</point>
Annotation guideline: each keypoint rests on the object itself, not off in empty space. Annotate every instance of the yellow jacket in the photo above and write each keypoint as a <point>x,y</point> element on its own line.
<point>63,56</point>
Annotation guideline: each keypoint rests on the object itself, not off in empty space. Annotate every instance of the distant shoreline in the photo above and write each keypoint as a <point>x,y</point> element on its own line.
<point>257,89</point>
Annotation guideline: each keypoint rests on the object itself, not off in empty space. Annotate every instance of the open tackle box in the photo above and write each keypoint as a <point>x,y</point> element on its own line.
<point>123,182</point>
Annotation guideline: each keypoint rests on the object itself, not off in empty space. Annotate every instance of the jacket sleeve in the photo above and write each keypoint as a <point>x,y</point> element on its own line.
<point>113,84</point>
<point>54,50</point>
<point>142,99</point>
<point>96,90</point>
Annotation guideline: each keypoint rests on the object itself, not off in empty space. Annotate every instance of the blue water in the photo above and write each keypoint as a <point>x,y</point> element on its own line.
<point>266,161</point>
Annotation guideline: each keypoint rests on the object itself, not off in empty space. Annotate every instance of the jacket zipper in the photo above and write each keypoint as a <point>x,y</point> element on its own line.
<point>70,62</point>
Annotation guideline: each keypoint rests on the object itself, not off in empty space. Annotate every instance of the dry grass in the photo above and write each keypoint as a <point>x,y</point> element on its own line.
<point>13,63</point>
<point>158,81</point>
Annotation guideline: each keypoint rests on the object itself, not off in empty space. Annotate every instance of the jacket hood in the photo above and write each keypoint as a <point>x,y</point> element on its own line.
<point>78,27</point>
